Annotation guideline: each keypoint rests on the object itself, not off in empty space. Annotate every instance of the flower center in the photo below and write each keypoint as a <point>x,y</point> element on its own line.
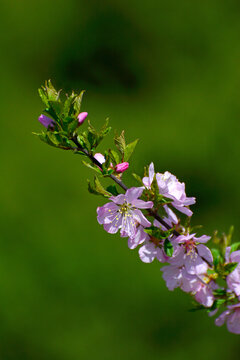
<point>125,208</point>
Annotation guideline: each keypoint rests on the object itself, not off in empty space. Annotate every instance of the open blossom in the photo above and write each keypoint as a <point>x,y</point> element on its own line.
<point>46,121</point>
<point>81,117</point>
<point>233,279</point>
<point>200,286</point>
<point>123,213</point>
<point>139,237</point>
<point>232,318</point>
<point>177,276</point>
<point>195,253</point>
<point>170,187</point>
<point>204,290</point>
<point>154,248</point>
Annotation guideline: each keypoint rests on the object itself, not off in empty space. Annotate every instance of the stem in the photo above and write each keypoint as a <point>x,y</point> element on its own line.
<point>151,212</point>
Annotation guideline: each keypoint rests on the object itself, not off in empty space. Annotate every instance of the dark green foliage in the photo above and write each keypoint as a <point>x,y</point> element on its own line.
<point>168,248</point>
<point>97,188</point>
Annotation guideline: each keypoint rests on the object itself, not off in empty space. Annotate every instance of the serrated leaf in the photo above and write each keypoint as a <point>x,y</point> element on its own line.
<point>120,143</point>
<point>52,93</point>
<point>168,248</point>
<point>105,129</point>
<point>78,102</point>
<point>67,107</point>
<point>235,246</point>
<point>129,150</point>
<point>114,156</point>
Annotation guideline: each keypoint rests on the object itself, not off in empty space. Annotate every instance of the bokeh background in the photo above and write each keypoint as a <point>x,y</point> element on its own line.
<point>169,74</point>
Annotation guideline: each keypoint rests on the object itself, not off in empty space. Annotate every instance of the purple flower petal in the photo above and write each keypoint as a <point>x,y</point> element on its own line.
<point>205,253</point>
<point>140,204</point>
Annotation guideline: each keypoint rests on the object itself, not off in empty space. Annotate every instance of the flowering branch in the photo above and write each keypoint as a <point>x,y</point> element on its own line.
<point>210,276</point>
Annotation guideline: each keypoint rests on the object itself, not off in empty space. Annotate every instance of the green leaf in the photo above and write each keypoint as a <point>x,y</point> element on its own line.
<point>113,190</point>
<point>92,167</point>
<point>114,156</point>
<point>105,129</point>
<point>67,107</point>
<point>217,257</point>
<point>168,248</point>
<point>78,102</point>
<point>129,150</point>
<point>100,189</point>
<point>52,93</point>
<point>43,96</point>
<point>235,246</point>
<point>91,189</point>
<point>120,143</point>
<point>82,139</point>
<point>57,108</point>
<point>228,268</point>
<point>219,292</point>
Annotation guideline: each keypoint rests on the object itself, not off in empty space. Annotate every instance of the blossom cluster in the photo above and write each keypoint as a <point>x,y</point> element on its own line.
<point>190,266</point>
<point>154,217</point>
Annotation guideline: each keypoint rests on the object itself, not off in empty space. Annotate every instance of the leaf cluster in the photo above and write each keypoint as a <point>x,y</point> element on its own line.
<point>63,111</point>
<point>124,151</point>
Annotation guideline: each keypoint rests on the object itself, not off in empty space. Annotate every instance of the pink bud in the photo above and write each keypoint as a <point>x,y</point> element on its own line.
<point>120,168</point>
<point>100,158</point>
<point>46,121</point>
<point>81,117</point>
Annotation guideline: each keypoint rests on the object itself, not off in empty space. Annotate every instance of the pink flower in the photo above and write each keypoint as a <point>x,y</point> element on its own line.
<point>123,213</point>
<point>177,276</point>
<point>46,121</point>
<point>81,117</point>
<point>204,291</point>
<point>232,317</point>
<point>139,237</point>
<point>233,279</point>
<point>170,187</point>
<point>195,253</point>
<point>154,248</point>
<point>149,251</point>
<point>120,168</point>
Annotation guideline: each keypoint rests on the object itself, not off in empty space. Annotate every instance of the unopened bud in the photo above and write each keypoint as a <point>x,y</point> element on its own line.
<point>81,117</point>
<point>46,121</point>
<point>120,168</point>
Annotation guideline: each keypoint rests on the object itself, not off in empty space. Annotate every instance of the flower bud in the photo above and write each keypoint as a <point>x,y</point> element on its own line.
<point>120,168</point>
<point>46,121</point>
<point>100,158</point>
<point>81,117</point>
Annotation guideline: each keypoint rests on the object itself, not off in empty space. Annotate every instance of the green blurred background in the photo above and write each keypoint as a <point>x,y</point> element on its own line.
<point>169,74</point>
